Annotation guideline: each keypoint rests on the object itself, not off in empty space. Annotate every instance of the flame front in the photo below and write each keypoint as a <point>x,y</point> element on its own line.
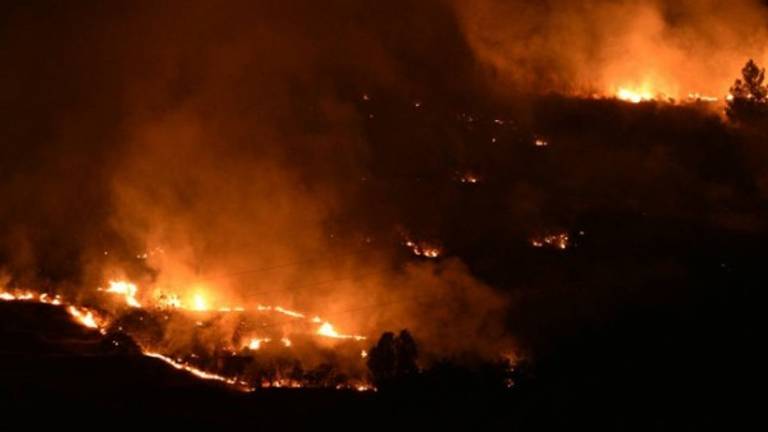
<point>126,289</point>
<point>90,318</point>
<point>327,330</point>
<point>634,95</point>
<point>83,316</point>
<point>195,371</point>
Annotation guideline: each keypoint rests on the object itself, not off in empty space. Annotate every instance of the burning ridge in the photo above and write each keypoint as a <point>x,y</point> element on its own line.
<point>258,354</point>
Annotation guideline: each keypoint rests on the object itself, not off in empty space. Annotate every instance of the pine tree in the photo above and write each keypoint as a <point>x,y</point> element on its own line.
<point>748,101</point>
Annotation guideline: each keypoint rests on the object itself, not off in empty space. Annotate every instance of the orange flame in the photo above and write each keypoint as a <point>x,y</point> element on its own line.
<point>83,316</point>
<point>255,343</point>
<point>327,330</point>
<point>127,289</point>
<point>634,95</point>
<point>197,372</point>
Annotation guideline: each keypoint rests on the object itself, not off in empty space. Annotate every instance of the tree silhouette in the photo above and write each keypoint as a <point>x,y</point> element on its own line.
<point>393,358</point>
<point>748,101</point>
<point>382,359</point>
<point>406,352</point>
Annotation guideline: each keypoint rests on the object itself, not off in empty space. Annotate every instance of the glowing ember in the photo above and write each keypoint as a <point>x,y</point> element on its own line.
<point>423,250</point>
<point>363,354</point>
<point>286,342</point>
<point>127,289</point>
<point>469,178</point>
<point>559,241</point>
<point>540,142</point>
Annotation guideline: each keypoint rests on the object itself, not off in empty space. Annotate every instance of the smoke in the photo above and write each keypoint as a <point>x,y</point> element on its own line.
<point>233,152</point>
<point>209,151</point>
<point>596,47</point>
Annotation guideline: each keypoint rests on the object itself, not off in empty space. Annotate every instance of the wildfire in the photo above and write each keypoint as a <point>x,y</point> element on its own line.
<point>559,241</point>
<point>89,318</point>
<point>634,95</point>
<point>279,309</point>
<point>255,343</point>
<point>696,97</point>
<point>197,372</point>
<point>127,289</point>
<point>169,301</point>
<point>30,296</point>
<point>83,316</point>
<point>199,303</point>
<point>281,383</point>
<point>327,330</point>
<point>645,94</point>
<point>469,178</point>
<point>423,250</point>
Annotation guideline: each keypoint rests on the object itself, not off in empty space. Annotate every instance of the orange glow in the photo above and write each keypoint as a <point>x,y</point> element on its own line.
<point>195,371</point>
<point>126,289</point>
<point>83,316</point>
<point>558,241</point>
<point>696,97</point>
<point>30,296</point>
<point>90,319</point>
<point>255,343</point>
<point>423,249</point>
<point>169,301</point>
<point>199,303</point>
<point>634,95</point>
<point>327,330</point>
<point>469,178</point>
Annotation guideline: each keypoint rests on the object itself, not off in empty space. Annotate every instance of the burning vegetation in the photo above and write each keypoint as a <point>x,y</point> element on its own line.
<point>229,359</point>
<point>241,204</point>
